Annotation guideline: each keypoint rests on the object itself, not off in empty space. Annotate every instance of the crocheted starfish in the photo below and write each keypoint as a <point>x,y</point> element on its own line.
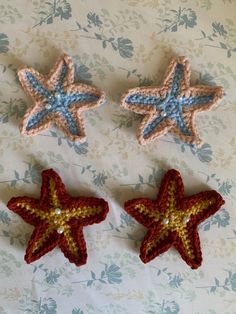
<point>58,219</point>
<point>172,219</point>
<point>172,107</point>
<point>57,100</point>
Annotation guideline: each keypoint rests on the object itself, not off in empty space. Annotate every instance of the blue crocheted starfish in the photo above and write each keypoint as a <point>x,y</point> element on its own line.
<point>171,108</point>
<point>57,100</point>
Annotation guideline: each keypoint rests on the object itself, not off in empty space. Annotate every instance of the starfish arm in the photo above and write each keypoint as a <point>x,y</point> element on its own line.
<point>34,84</point>
<point>36,119</point>
<point>157,241</point>
<point>153,126</point>
<point>68,121</point>
<point>88,210</point>
<point>62,74</point>
<point>183,124</point>
<point>187,243</point>
<point>72,125</point>
<point>142,99</point>
<point>171,189</point>
<point>177,76</point>
<point>28,208</point>
<point>53,191</point>
<point>201,206</point>
<point>143,210</point>
<point>187,132</point>
<point>202,98</point>
<point>83,97</point>
<point>44,239</point>
<point>73,244</point>
<point>196,99</point>
<point>197,207</point>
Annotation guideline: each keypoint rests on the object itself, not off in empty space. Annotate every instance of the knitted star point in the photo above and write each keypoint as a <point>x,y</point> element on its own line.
<point>172,219</point>
<point>58,219</point>
<point>58,100</point>
<point>171,107</point>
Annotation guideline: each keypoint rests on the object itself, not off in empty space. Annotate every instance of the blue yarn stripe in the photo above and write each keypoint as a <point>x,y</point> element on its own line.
<point>34,121</point>
<point>70,121</point>
<point>178,118</point>
<point>177,79</point>
<point>142,99</point>
<point>64,72</point>
<point>153,100</point>
<point>152,125</point>
<point>196,100</point>
<point>171,105</point>
<point>80,97</point>
<point>38,118</point>
<point>66,101</point>
<point>35,84</point>
<point>181,124</point>
<point>57,104</point>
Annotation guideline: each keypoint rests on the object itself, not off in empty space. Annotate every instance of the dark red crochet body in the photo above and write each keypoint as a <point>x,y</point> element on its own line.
<point>58,219</point>
<point>172,219</point>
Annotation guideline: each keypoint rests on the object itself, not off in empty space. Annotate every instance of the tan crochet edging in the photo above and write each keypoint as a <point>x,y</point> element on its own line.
<point>169,125</point>
<point>48,81</point>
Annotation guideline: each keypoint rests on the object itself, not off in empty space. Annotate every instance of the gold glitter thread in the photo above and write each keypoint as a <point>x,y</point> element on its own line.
<point>156,215</point>
<point>53,194</point>
<point>82,212</point>
<point>146,211</point>
<point>196,209</point>
<point>175,219</point>
<point>38,244</point>
<point>161,236</point>
<point>182,233</point>
<point>182,230</point>
<point>171,195</point>
<point>55,221</point>
<point>71,243</point>
<point>65,215</point>
<point>37,212</point>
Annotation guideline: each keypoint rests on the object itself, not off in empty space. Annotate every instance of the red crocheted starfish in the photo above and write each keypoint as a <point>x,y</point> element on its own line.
<point>172,219</point>
<point>58,219</point>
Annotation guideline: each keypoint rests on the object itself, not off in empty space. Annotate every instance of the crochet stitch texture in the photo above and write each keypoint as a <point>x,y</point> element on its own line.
<point>172,219</point>
<point>171,107</point>
<point>58,219</point>
<point>57,100</point>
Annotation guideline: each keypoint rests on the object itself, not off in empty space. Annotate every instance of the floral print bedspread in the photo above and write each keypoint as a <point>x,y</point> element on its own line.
<point>117,45</point>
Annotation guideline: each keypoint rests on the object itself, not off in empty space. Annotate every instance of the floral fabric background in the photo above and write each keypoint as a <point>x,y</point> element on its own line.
<point>117,45</point>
